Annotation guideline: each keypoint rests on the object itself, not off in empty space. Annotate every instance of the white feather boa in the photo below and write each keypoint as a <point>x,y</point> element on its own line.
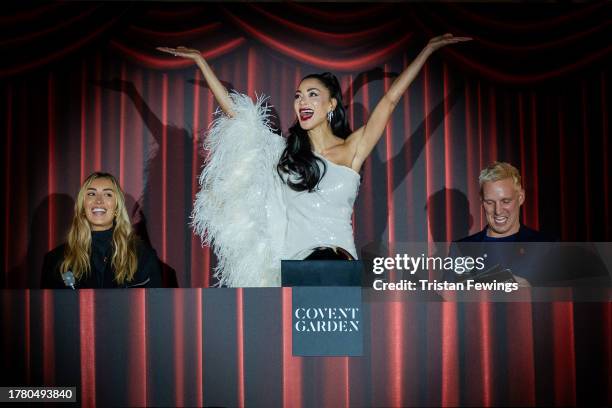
<point>239,210</point>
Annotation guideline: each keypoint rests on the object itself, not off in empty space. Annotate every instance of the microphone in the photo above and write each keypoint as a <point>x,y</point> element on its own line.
<point>68,279</point>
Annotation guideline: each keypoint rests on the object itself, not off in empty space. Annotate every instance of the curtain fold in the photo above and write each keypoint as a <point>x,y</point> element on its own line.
<point>84,89</point>
<point>514,43</point>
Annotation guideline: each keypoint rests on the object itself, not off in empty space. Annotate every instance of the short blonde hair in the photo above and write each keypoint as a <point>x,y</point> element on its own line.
<point>499,171</point>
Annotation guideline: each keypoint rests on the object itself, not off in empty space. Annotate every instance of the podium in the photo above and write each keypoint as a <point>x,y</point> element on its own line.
<point>322,273</point>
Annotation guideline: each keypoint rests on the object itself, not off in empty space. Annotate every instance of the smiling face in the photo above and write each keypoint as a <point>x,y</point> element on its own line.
<point>312,103</point>
<point>502,202</point>
<point>100,204</point>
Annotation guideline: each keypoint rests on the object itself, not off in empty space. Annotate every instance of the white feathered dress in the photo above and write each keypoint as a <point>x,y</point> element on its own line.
<point>239,210</point>
<point>249,216</point>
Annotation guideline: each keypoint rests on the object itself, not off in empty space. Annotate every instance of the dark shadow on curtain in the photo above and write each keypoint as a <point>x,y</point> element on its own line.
<point>139,223</point>
<point>441,227</point>
<point>28,273</point>
<point>148,210</point>
<point>402,162</point>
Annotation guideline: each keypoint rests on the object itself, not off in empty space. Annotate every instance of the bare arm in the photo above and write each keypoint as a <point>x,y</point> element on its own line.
<point>217,88</point>
<point>365,138</point>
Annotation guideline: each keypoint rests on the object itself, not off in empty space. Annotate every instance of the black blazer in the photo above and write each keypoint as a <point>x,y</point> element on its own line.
<point>148,273</point>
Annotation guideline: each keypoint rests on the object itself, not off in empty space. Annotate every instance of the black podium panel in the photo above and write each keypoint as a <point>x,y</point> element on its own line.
<point>322,273</point>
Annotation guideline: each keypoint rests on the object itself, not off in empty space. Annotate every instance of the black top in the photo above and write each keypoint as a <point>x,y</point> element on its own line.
<point>524,234</point>
<point>521,259</point>
<point>148,272</point>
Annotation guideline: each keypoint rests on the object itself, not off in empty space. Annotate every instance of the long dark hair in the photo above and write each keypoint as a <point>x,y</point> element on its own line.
<point>298,162</point>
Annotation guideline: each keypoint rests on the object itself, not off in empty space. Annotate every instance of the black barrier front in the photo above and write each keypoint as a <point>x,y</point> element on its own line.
<point>202,347</point>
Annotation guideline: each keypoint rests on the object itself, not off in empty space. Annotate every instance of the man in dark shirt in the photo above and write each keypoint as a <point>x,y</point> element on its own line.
<point>502,195</point>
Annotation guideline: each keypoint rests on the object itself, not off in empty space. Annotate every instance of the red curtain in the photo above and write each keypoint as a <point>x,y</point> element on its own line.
<point>84,89</point>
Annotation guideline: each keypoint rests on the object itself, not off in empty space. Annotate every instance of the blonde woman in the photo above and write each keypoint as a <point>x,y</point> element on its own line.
<point>102,249</point>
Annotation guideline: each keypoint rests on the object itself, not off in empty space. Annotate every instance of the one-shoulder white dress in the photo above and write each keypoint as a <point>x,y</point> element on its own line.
<point>323,217</point>
<point>249,216</point>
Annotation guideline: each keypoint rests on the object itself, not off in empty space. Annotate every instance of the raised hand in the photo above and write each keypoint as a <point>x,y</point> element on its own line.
<point>211,79</point>
<point>182,52</point>
<point>443,40</point>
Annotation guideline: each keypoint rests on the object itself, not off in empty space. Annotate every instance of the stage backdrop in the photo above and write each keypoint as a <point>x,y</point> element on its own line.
<point>83,89</point>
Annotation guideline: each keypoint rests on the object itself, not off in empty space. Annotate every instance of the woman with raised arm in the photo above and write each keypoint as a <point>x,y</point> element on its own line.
<point>264,199</point>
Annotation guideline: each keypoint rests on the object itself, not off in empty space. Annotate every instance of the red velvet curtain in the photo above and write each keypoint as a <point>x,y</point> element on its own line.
<point>84,89</point>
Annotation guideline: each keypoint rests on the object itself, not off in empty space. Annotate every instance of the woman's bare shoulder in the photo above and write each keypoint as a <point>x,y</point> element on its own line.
<point>341,154</point>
